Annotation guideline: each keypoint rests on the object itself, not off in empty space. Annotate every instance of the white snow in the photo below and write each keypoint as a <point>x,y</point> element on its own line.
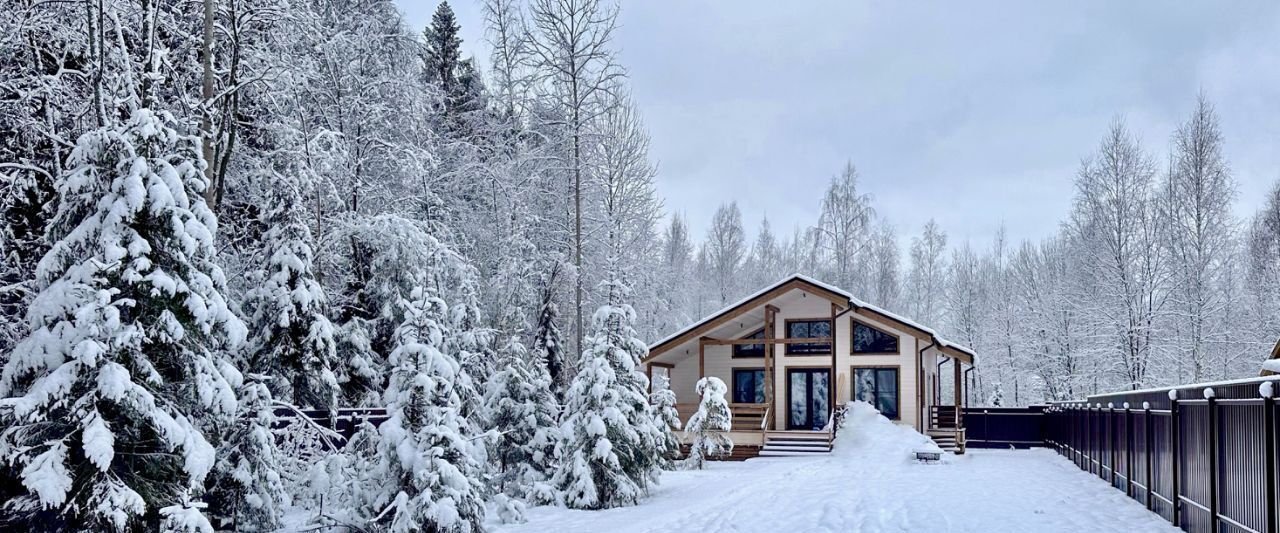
<point>870,483</point>
<point>1272,365</point>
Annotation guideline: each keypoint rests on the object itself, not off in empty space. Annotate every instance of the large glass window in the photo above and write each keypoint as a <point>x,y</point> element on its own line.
<point>878,387</point>
<point>807,395</point>
<point>750,350</point>
<point>748,385</point>
<point>808,329</point>
<point>867,339</point>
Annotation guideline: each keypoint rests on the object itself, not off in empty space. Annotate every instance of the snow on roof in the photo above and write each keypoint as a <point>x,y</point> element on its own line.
<point>1272,365</point>
<point>855,302</point>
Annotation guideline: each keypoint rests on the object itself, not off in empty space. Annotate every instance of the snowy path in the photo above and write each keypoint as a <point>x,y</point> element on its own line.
<point>870,485</point>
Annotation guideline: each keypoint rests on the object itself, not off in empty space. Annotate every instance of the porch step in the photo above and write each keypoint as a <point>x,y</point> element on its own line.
<point>945,439</point>
<point>781,444</point>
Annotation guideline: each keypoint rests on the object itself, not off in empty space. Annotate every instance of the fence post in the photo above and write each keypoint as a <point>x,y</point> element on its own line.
<point>1094,466</point>
<point>1269,448</point>
<point>1176,498</point>
<point>1148,432</point>
<point>1111,441</point>
<point>1213,460</point>
<point>1074,438</point>
<point>1128,451</point>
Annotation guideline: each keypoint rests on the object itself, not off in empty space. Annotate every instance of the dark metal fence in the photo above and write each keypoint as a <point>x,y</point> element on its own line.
<point>1004,427</point>
<point>1202,456</point>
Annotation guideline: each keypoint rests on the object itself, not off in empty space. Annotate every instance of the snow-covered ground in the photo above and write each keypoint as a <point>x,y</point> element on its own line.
<point>870,484</point>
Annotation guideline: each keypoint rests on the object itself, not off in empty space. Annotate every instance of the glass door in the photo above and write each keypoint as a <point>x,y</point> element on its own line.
<point>808,395</point>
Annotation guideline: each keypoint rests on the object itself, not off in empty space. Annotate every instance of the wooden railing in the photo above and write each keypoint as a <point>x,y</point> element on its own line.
<point>942,417</point>
<point>746,416</point>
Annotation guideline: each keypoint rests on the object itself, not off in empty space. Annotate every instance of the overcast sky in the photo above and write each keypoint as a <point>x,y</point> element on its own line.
<point>971,114</point>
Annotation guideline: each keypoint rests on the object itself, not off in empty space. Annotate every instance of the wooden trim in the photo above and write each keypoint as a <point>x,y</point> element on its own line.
<point>711,341</point>
<point>953,353</point>
<point>853,324</point>
<point>733,378</point>
<point>734,312</point>
<point>660,364</point>
<point>913,330</point>
<point>788,341</point>
<point>853,387</point>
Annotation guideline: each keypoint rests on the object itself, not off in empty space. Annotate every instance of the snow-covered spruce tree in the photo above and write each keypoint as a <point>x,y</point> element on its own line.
<point>523,411</point>
<point>423,450</point>
<point>663,400</point>
<point>610,443</point>
<point>361,379</point>
<point>548,342</point>
<point>709,426</point>
<point>245,490</point>
<point>105,399</point>
<point>470,341</point>
<point>292,338</point>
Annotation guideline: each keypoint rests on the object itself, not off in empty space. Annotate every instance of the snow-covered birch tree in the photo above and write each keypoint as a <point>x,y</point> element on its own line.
<point>1199,230</point>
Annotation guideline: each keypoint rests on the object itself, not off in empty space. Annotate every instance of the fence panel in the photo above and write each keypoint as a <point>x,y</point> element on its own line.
<point>1004,427</point>
<point>1203,457</point>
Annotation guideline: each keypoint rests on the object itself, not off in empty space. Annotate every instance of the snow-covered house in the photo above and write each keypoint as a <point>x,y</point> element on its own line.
<point>798,347</point>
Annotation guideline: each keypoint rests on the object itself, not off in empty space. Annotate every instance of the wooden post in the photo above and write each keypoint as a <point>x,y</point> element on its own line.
<point>1214,460</point>
<point>1269,448</point>
<point>702,358</point>
<point>1148,433</point>
<point>1174,448</point>
<point>832,382</point>
<point>648,373</point>
<point>770,313</point>
<point>955,365</point>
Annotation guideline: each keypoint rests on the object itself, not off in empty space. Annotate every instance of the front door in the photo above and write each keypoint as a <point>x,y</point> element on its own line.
<point>807,398</point>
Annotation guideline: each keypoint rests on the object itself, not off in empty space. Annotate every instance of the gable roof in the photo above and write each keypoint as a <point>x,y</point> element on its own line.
<point>1271,366</point>
<point>813,286</point>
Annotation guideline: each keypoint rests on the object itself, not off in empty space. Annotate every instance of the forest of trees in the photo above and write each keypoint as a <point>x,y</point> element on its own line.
<point>1151,279</point>
<point>215,212</point>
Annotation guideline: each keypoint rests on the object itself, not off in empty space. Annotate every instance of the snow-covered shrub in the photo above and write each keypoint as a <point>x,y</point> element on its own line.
<point>433,477</point>
<point>709,427</point>
<point>609,448</point>
<point>663,400</point>
<point>107,398</point>
<point>523,412</point>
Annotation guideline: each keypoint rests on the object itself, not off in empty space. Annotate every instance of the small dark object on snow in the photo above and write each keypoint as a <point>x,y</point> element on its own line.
<point>928,456</point>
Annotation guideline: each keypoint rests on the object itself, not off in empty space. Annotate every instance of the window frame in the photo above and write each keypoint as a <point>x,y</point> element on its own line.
<point>853,337</point>
<point>853,385</point>
<point>733,376</point>
<point>734,352</point>
<point>789,350</point>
